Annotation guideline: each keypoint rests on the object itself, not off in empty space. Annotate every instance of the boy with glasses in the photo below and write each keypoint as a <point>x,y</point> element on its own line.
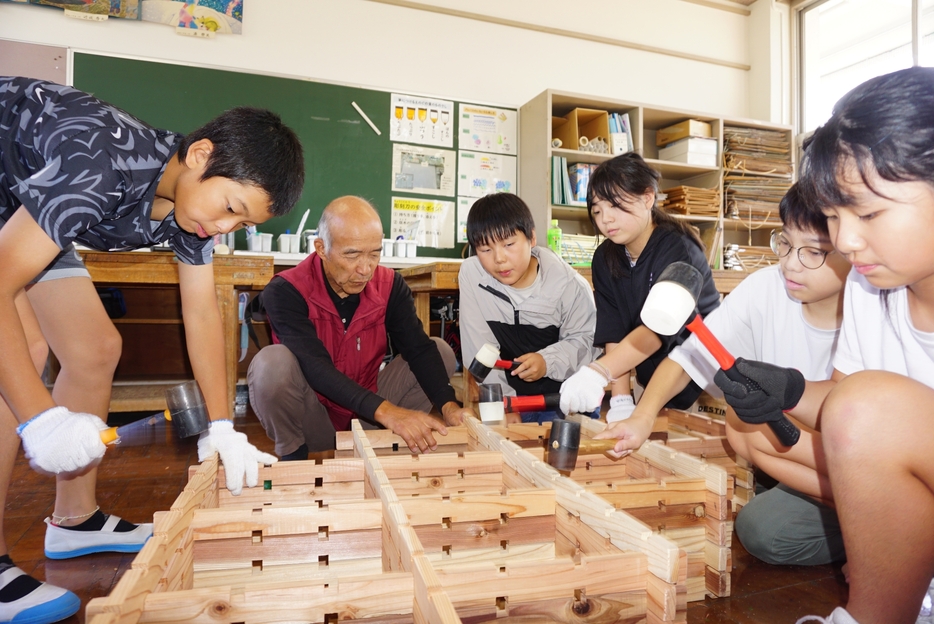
<point>789,315</point>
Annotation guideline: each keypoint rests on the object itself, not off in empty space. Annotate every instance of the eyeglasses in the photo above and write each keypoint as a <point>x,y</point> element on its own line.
<point>809,257</point>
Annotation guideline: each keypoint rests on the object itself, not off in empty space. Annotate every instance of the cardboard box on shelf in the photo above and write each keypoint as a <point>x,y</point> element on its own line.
<point>686,128</point>
<point>580,122</point>
<point>691,150</point>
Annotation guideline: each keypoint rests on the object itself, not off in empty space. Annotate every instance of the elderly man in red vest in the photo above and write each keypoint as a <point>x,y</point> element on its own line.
<point>330,318</point>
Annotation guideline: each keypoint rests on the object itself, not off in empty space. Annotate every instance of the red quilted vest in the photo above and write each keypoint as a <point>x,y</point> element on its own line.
<point>358,351</point>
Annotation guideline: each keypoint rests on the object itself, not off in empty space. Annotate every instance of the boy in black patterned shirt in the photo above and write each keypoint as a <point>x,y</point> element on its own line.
<point>74,169</point>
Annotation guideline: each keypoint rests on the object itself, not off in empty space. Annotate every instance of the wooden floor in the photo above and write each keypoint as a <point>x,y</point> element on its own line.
<point>135,482</point>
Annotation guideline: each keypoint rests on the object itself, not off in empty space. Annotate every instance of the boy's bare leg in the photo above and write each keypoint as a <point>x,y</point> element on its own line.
<point>802,467</point>
<point>87,345</point>
<point>876,430</point>
<point>9,440</point>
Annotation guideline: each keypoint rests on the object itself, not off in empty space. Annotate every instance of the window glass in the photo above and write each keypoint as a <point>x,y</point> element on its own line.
<point>846,42</point>
<point>927,33</point>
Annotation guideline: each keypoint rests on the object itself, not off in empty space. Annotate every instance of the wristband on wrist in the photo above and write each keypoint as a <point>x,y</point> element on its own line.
<point>603,370</point>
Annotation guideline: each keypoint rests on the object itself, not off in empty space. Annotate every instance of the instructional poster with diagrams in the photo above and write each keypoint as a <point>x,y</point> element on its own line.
<point>422,120</point>
<point>487,129</point>
<point>429,221</point>
<point>463,209</point>
<point>423,170</point>
<point>481,174</point>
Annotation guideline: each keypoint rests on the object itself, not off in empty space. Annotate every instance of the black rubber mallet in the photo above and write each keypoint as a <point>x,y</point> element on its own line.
<point>565,444</point>
<point>672,305</point>
<point>186,412</point>
<point>486,360</point>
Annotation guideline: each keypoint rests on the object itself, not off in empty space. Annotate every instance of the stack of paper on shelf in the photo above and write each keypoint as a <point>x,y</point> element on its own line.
<point>753,150</point>
<point>578,249</point>
<point>748,257</point>
<point>691,150</point>
<point>690,200</point>
<point>753,198</point>
<point>758,172</point>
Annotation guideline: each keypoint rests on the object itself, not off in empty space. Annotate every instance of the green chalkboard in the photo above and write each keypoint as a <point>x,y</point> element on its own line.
<point>343,155</point>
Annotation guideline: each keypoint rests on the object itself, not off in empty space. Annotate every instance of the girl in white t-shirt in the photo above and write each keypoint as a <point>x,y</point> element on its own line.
<point>870,170</point>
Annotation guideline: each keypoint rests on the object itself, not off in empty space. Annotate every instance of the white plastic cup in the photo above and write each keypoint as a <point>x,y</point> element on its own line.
<point>288,243</point>
<point>387,248</point>
<point>266,239</point>
<point>410,249</point>
<point>491,402</point>
<point>400,249</point>
<point>295,243</point>
<point>254,242</point>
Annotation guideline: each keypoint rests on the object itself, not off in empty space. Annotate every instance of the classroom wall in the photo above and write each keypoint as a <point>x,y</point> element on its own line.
<point>770,55</point>
<point>382,46</point>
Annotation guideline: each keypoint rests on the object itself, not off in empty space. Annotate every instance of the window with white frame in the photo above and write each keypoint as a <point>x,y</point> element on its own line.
<point>843,43</point>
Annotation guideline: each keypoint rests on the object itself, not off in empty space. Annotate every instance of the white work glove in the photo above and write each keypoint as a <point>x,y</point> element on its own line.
<point>59,441</point>
<point>583,391</point>
<point>241,459</point>
<point>621,407</point>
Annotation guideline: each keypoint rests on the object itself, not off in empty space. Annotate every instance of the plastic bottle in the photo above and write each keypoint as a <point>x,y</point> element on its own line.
<point>554,237</point>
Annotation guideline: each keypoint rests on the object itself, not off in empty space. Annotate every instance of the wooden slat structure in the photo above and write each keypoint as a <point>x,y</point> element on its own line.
<point>481,530</point>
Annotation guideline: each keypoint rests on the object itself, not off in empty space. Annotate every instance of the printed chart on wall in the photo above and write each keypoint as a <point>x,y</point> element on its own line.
<point>485,129</point>
<point>486,157</point>
<point>424,162</point>
<point>423,170</point>
<point>425,121</point>
<point>428,221</point>
<point>463,208</point>
<point>482,174</point>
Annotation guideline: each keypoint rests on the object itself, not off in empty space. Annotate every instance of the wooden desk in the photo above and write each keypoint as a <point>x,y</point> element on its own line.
<point>159,270</point>
<point>438,278</point>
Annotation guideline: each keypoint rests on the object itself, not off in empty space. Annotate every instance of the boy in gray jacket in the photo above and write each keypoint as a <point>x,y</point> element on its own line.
<point>523,299</point>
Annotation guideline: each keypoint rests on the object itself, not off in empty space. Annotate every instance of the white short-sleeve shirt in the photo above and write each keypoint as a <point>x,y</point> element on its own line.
<point>878,334</point>
<point>760,321</point>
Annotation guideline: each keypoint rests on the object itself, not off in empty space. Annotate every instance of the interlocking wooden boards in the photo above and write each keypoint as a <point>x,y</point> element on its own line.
<point>482,529</point>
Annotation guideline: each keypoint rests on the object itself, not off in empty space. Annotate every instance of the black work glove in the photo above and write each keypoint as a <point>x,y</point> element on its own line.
<point>761,393</point>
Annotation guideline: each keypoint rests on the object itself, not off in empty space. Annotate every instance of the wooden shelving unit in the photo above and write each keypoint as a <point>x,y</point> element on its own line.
<point>536,152</point>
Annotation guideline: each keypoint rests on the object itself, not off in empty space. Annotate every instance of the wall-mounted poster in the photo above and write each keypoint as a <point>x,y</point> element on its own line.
<point>211,16</point>
<point>487,129</point>
<point>431,220</point>
<point>481,174</point>
<point>463,209</point>
<point>426,121</point>
<point>127,9</point>
<point>423,170</point>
